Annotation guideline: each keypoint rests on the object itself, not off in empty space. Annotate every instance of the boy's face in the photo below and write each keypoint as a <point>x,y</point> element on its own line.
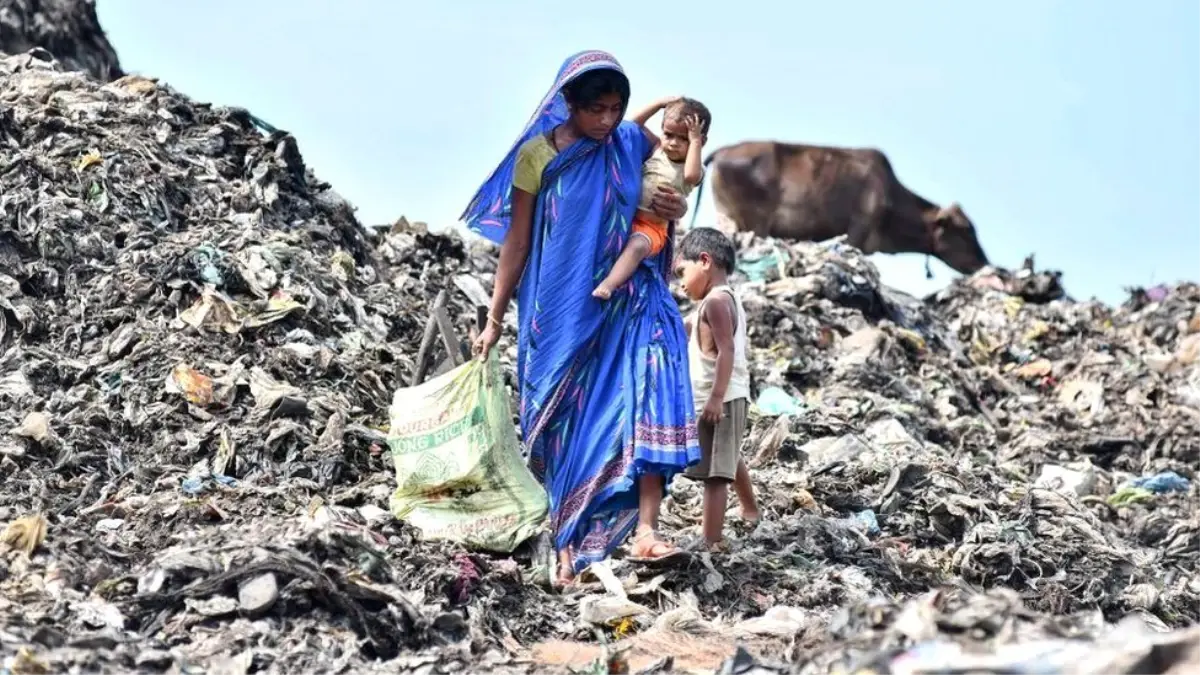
<point>695,276</point>
<point>674,136</point>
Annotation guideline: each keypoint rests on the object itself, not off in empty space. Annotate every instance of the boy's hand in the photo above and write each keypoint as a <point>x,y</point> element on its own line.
<point>668,100</point>
<point>695,129</point>
<point>712,412</point>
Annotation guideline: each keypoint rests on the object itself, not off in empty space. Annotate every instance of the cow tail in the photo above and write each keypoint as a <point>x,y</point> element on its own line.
<point>700,189</point>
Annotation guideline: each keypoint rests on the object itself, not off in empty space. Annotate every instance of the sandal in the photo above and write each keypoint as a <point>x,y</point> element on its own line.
<point>667,552</point>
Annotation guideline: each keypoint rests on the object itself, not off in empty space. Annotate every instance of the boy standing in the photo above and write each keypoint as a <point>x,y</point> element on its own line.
<point>720,374</point>
<point>675,162</point>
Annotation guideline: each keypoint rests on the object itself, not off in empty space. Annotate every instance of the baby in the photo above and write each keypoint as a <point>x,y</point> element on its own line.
<point>675,162</point>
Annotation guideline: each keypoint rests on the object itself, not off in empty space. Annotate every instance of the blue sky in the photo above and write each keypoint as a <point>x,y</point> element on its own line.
<point>1065,128</point>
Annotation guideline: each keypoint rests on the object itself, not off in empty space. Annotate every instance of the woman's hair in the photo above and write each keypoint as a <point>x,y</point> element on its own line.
<point>590,86</point>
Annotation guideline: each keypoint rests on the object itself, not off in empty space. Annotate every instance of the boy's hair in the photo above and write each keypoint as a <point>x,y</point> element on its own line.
<point>711,241</point>
<point>690,106</point>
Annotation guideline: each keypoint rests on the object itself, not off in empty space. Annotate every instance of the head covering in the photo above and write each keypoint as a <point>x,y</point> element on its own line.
<point>490,209</point>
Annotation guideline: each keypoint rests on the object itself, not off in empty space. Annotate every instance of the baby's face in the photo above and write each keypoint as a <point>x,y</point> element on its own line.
<point>674,137</point>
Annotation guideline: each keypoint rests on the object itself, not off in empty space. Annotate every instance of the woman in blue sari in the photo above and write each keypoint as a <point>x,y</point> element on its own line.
<point>606,405</point>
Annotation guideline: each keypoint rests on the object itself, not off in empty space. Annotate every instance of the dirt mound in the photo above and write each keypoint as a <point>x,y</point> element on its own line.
<point>68,29</point>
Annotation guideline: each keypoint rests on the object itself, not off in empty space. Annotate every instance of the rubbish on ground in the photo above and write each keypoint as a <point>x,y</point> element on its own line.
<point>199,344</point>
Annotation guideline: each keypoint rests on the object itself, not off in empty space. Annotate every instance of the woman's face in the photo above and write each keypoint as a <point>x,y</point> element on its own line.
<point>598,119</point>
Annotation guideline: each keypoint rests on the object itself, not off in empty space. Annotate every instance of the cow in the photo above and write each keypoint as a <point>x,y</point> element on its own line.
<point>813,193</point>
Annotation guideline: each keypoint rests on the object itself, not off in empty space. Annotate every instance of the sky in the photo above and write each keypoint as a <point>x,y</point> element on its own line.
<point>1065,128</point>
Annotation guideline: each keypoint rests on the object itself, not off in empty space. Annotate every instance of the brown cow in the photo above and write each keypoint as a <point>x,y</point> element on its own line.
<point>813,193</point>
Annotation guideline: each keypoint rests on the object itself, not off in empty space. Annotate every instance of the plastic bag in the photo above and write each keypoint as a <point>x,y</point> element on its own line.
<point>459,471</point>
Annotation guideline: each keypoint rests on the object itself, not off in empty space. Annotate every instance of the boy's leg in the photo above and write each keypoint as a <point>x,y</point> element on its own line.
<point>716,496</point>
<point>722,469</point>
<point>745,492</point>
<point>635,252</point>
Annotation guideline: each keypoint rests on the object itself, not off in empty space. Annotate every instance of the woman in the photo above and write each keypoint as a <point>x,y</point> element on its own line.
<point>606,408</point>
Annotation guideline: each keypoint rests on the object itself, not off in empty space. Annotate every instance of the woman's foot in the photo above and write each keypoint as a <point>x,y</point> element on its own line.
<point>566,570</point>
<point>647,546</point>
<point>565,578</point>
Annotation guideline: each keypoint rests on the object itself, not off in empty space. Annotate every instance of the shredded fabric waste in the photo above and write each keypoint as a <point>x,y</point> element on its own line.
<point>199,346</point>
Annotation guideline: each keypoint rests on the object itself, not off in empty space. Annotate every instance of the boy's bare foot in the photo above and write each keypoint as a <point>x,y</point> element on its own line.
<point>721,546</point>
<point>750,515</point>
<point>602,292</point>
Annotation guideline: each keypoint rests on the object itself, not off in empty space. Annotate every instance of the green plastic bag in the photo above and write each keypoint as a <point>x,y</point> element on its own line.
<point>459,471</point>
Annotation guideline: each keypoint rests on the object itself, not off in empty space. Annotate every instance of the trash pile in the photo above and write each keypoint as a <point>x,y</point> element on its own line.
<point>992,436</point>
<point>68,29</point>
<point>198,347</point>
<point>199,344</point>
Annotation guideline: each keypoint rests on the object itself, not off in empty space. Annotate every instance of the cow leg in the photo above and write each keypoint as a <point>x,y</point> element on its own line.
<point>868,232</point>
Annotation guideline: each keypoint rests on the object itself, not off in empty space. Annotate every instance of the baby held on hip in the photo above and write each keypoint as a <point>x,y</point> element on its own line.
<point>674,163</point>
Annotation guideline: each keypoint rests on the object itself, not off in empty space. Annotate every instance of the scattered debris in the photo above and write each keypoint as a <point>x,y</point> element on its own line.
<point>199,344</point>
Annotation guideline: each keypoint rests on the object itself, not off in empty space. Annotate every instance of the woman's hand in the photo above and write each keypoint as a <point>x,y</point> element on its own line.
<point>486,340</point>
<point>668,204</point>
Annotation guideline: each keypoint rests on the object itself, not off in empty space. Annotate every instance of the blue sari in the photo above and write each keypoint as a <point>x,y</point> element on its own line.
<point>605,395</point>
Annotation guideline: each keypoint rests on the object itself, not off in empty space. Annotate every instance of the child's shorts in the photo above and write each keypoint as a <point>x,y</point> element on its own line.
<point>653,229</point>
<point>721,446</point>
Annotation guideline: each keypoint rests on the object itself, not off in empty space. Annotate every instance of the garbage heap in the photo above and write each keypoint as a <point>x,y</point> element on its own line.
<point>199,343</point>
<point>68,29</point>
<point>995,437</point>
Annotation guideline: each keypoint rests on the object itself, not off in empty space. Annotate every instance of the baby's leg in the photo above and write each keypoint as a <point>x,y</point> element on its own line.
<point>635,252</point>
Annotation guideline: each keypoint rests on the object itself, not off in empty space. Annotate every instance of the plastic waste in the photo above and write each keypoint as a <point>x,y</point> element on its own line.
<point>1161,483</point>
<point>775,401</point>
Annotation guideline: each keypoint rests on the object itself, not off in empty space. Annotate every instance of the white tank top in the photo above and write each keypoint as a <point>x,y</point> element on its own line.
<point>704,367</point>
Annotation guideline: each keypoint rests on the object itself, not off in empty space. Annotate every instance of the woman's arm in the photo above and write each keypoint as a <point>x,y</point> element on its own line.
<point>514,252</point>
<point>668,204</point>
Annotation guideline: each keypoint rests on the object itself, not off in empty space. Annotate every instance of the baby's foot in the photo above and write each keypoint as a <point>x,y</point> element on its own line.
<point>603,292</point>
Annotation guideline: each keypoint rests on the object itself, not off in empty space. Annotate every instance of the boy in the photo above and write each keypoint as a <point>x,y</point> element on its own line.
<point>720,375</point>
<point>675,162</point>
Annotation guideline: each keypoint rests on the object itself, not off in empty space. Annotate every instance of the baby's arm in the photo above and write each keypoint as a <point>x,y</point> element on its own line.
<point>693,165</point>
<point>642,116</point>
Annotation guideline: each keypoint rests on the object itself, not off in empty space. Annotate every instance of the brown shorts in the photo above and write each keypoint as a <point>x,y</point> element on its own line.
<point>721,446</point>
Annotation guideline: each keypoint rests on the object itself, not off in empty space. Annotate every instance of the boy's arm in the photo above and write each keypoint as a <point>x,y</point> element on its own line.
<point>719,315</point>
